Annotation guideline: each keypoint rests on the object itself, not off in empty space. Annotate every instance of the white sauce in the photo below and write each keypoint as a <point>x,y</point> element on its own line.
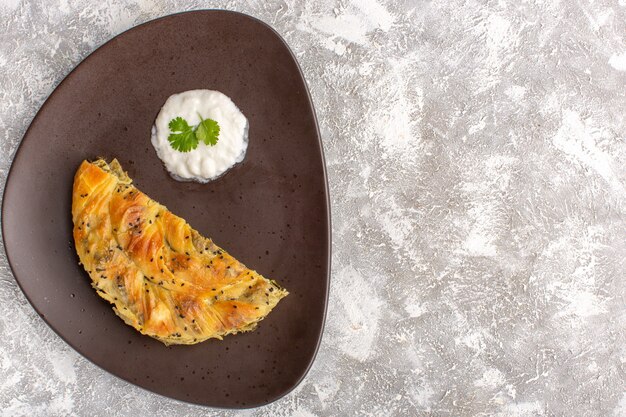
<point>204,163</point>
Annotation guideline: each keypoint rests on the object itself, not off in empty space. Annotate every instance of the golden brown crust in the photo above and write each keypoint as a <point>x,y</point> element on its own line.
<point>163,277</point>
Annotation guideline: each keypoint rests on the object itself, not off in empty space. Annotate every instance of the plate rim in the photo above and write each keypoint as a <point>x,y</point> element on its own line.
<point>3,209</point>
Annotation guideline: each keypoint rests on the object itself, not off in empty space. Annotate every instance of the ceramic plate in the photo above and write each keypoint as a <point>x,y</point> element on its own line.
<point>271,211</point>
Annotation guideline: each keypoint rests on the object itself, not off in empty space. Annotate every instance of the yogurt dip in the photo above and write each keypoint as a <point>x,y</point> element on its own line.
<point>206,162</point>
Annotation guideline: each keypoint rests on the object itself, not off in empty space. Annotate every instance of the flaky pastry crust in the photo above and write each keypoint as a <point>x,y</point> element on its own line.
<point>162,277</point>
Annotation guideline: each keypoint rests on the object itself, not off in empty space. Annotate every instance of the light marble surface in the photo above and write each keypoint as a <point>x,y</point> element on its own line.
<point>477,163</point>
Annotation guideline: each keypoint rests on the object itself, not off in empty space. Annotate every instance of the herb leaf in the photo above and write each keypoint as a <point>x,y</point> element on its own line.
<point>208,131</point>
<point>184,141</point>
<point>185,138</point>
<point>179,125</point>
<point>182,138</point>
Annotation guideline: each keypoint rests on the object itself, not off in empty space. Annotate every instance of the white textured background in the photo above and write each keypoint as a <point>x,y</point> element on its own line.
<point>477,165</point>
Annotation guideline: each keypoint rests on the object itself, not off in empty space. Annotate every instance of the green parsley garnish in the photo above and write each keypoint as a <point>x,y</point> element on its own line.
<point>208,131</point>
<point>185,138</point>
<point>182,138</point>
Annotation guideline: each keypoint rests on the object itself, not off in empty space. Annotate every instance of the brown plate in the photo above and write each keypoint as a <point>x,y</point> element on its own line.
<point>271,211</point>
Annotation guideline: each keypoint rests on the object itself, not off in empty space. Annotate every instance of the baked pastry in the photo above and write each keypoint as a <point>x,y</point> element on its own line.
<point>162,276</point>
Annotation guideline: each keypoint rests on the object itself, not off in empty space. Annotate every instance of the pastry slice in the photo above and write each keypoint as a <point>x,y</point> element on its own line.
<point>162,277</point>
